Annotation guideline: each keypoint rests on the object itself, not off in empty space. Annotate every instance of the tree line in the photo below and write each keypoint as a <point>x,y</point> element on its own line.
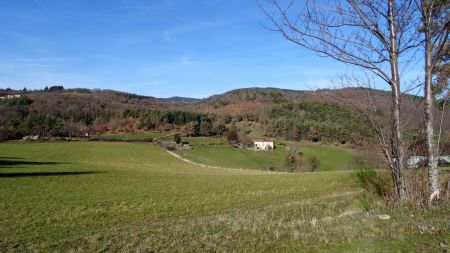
<point>191,123</point>
<point>295,121</point>
<point>17,121</point>
<point>317,121</point>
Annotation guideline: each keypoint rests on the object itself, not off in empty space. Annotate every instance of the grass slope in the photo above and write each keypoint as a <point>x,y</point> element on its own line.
<point>88,196</point>
<point>130,136</point>
<point>227,156</point>
<point>330,157</point>
<point>216,152</point>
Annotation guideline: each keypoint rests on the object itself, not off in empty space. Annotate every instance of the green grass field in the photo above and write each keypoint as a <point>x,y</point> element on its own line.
<point>128,136</point>
<point>254,130</point>
<point>93,196</point>
<point>331,157</point>
<point>217,152</point>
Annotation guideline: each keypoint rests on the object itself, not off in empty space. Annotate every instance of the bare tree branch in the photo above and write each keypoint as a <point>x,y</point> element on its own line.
<point>372,35</point>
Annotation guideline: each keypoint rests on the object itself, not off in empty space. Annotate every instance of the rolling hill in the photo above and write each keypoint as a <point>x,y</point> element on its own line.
<point>128,197</point>
<point>99,111</point>
<point>258,100</point>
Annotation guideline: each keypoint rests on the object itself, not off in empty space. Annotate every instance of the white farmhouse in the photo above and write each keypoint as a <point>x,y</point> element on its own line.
<point>10,96</point>
<point>263,144</point>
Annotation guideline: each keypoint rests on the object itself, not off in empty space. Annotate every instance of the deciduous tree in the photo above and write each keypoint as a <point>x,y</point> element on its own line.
<point>373,35</point>
<point>435,27</point>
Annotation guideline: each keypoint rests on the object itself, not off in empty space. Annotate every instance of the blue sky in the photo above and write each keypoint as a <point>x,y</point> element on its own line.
<point>157,48</point>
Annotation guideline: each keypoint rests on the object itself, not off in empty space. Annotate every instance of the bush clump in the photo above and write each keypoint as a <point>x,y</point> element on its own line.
<point>315,163</point>
<point>177,138</point>
<point>373,181</point>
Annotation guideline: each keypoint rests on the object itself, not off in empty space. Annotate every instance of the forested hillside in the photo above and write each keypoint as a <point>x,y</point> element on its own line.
<point>253,103</point>
<point>75,111</point>
<point>294,115</point>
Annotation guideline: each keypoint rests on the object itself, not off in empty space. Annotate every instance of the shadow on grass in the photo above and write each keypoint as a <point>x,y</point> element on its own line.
<point>46,174</point>
<point>10,157</point>
<point>9,163</point>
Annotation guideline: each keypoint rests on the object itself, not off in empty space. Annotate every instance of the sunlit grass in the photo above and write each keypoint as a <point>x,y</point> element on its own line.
<point>89,196</point>
<point>217,152</point>
<point>127,136</point>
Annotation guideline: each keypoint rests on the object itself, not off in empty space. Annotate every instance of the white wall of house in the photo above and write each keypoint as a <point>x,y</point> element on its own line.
<point>10,96</point>
<point>264,145</point>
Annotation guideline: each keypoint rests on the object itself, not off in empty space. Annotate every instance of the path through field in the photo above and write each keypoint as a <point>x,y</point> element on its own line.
<point>94,196</point>
<point>228,168</point>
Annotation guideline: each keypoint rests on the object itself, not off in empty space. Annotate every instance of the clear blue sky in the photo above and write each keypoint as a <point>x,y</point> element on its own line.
<point>158,48</point>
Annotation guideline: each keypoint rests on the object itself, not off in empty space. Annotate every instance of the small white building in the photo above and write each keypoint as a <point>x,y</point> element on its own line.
<point>10,96</point>
<point>263,144</point>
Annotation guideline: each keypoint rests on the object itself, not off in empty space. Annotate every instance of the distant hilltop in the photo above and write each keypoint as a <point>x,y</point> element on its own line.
<point>247,103</point>
<point>326,115</point>
<point>177,99</point>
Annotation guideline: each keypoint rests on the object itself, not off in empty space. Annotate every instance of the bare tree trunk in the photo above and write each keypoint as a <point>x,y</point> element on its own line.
<point>372,35</point>
<point>432,165</point>
<point>397,165</point>
<point>435,26</point>
<point>438,147</point>
<point>397,145</point>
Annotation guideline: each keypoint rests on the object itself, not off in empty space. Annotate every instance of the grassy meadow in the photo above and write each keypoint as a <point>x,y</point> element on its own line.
<point>94,196</point>
<point>331,157</point>
<point>217,152</point>
<point>130,136</point>
<point>253,130</point>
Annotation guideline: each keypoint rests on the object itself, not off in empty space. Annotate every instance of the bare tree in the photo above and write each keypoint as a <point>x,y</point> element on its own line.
<point>444,99</point>
<point>375,35</point>
<point>435,27</point>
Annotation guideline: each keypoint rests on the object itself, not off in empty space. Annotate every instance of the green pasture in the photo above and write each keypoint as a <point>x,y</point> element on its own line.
<point>128,136</point>
<point>331,157</point>
<point>217,152</point>
<point>122,197</point>
<point>252,129</point>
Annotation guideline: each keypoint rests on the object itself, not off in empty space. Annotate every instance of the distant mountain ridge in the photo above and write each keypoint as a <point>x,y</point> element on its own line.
<point>293,114</point>
<point>177,99</point>
<point>254,101</point>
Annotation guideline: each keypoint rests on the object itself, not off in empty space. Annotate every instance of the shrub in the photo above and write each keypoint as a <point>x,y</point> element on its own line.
<point>177,138</point>
<point>295,162</point>
<point>232,135</point>
<point>315,163</point>
<point>270,168</point>
<point>219,129</point>
<point>374,181</point>
<point>171,148</point>
<point>366,201</point>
